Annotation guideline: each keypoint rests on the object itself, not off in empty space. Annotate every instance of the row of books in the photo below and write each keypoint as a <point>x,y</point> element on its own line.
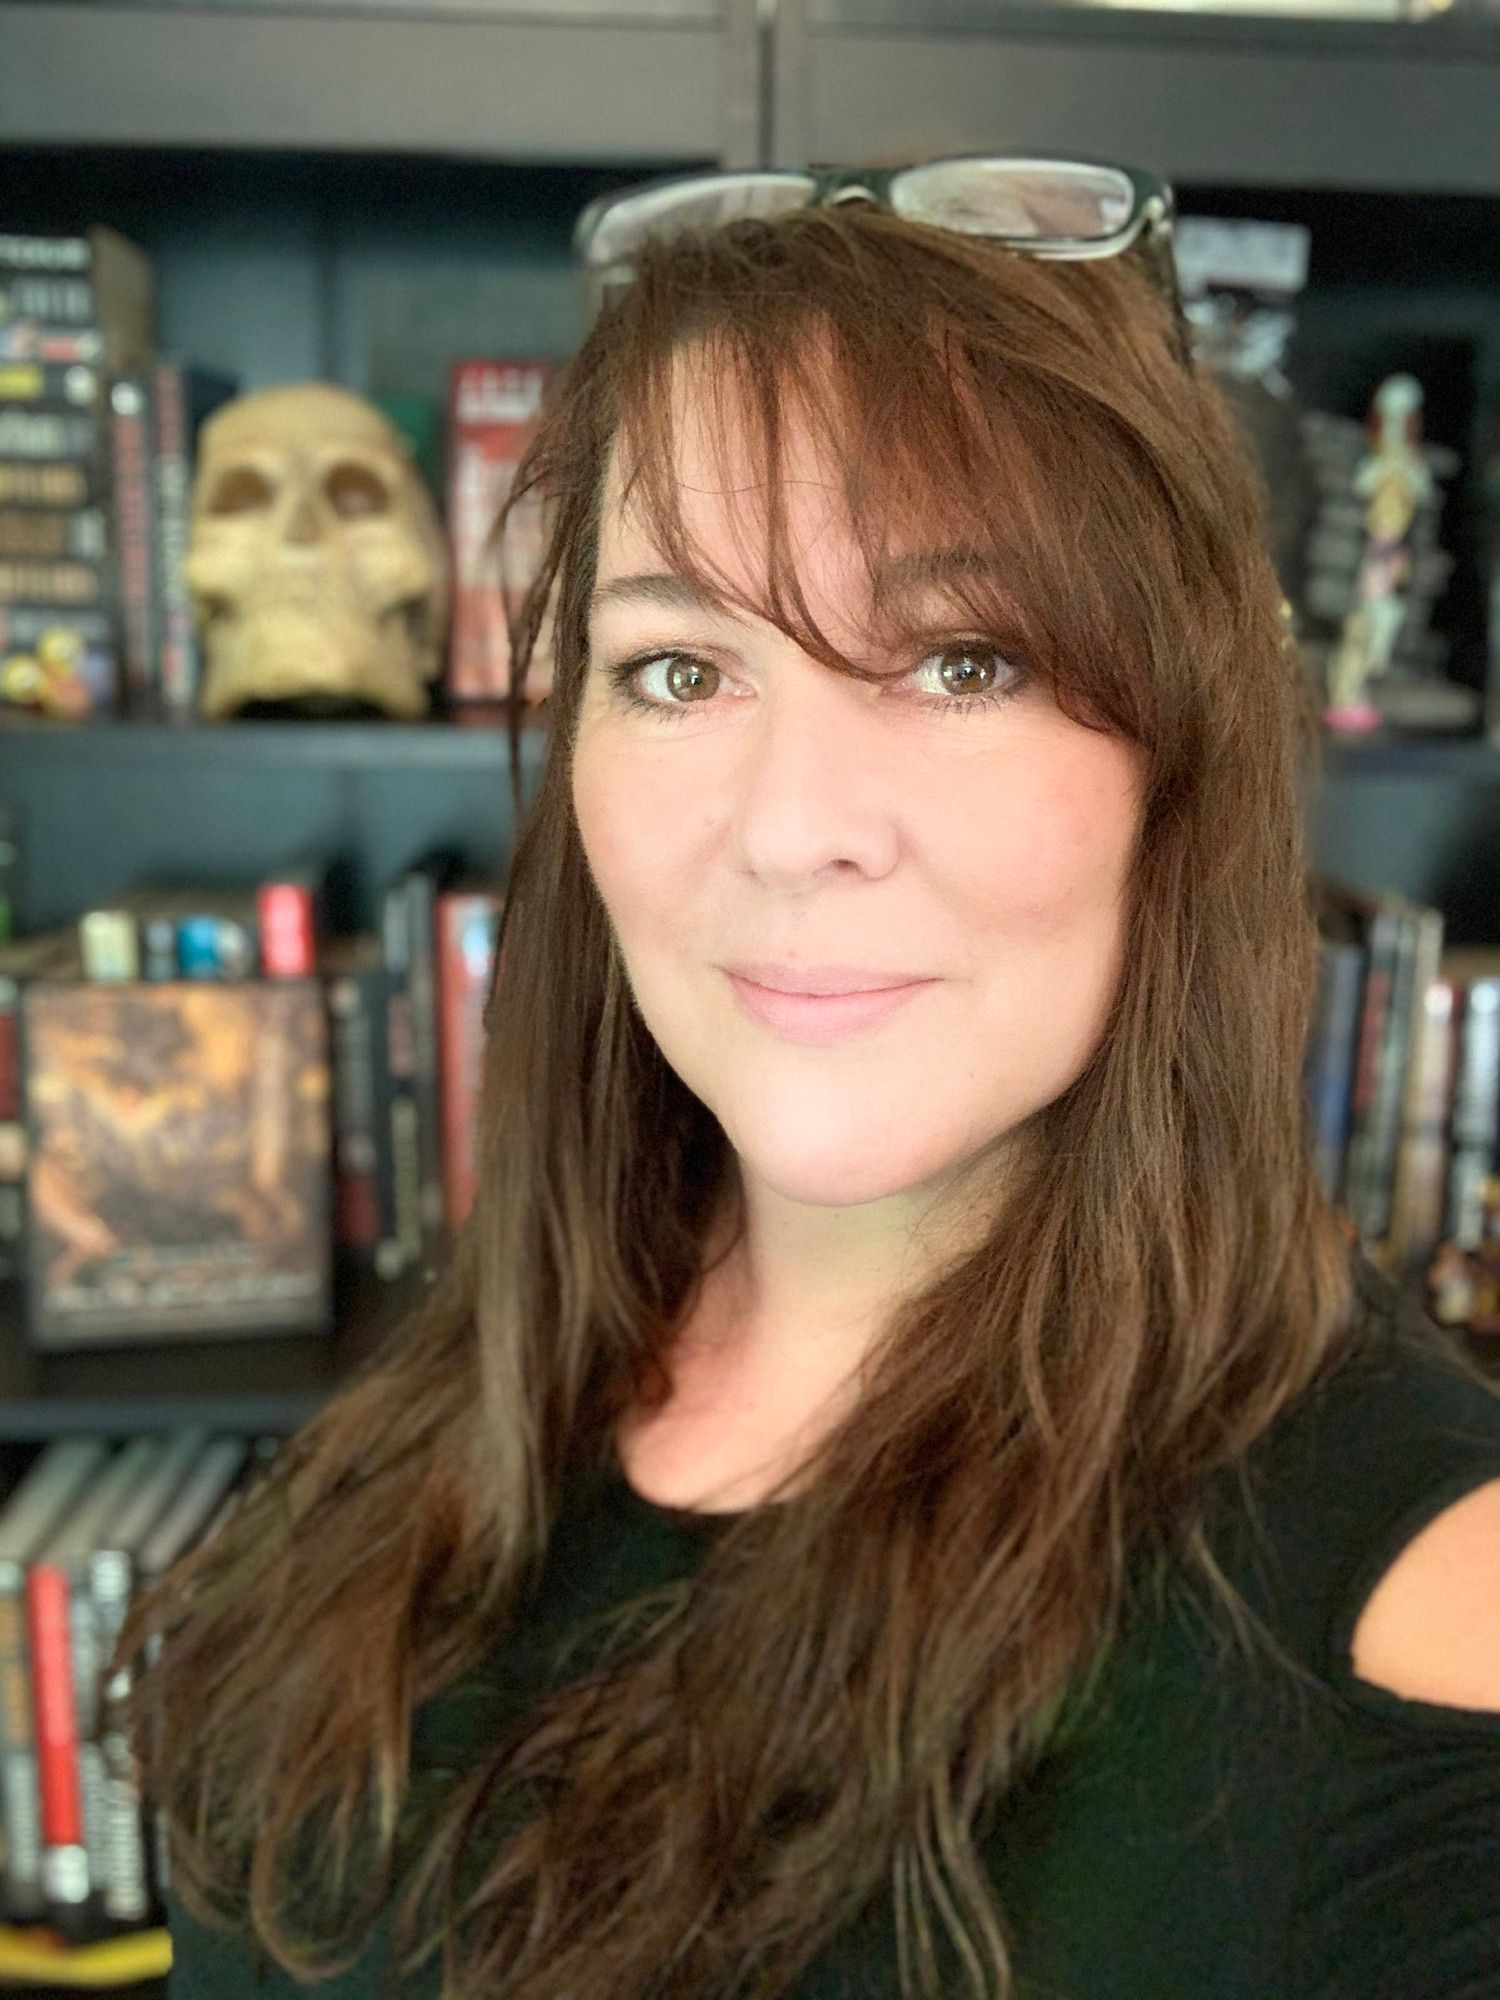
<point>204,1100</point>
<point>98,439</point>
<point>89,1526</point>
<point>1403,1078</point>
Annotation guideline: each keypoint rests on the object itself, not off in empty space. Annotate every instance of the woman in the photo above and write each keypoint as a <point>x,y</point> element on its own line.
<point>881,1497</point>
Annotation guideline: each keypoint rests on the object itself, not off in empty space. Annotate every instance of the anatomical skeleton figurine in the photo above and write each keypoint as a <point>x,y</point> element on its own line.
<point>1392,481</point>
<point>317,563</point>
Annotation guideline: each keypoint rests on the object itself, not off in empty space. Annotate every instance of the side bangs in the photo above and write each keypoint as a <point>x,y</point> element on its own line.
<point>1011,513</point>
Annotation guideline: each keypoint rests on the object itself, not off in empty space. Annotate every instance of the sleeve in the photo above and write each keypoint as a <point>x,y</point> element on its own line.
<point>1400,1890</point>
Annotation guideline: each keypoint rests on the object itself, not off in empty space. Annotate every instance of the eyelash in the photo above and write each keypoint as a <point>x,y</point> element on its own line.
<point>623,672</point>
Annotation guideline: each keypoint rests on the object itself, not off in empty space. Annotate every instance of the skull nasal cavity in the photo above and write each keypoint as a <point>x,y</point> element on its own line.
<point>303,526</point>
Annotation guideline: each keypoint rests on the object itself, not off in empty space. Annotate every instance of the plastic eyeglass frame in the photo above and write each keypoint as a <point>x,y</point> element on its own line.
<point>1148,229</point>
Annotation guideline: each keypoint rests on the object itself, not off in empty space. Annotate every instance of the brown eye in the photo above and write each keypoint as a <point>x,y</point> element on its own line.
<point>354,492</point>
<point>241,491</point>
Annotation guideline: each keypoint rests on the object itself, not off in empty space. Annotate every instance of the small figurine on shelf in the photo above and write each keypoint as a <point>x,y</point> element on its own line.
<point>317,564</point>
<point>49,678</point>
<point>1393,481</point>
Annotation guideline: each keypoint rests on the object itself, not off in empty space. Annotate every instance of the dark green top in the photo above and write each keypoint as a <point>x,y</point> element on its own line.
<point>1207,1835</point>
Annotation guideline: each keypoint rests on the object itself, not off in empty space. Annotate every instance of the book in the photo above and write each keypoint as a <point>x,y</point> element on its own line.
<point>54,534</point>
<point>403,1246</point>
<point>63,1635</point>
<point>131,485</point>
<point>183,397</point>
<point>421,885</point>
<point>45,1493</point>
<point>1475,1120</point>
<point>178,1180</point>
<point>1329,1066</point>
<point>45,483</point>
<point>468,922</point>
<point>87,297</point>
<point>494,408</point>
<point>114,1573</point>
<point>354,977</point>
<point>190,1519</point>
<point>53,951</point>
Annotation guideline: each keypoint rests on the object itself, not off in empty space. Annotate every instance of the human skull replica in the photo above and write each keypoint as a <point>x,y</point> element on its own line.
<point>316,563</point>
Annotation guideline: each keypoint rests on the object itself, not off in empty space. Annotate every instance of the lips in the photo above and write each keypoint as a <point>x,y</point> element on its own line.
<point>812,1019</point>
<point>821,980</point>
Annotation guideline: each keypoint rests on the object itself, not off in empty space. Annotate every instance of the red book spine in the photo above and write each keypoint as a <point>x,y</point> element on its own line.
<point>494,409</point>
<point>467,921</point>
<point>288,943</point>
<point>53,1709</point>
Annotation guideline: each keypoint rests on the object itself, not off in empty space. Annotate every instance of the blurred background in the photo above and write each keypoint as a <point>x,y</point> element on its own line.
<point>255,817</point>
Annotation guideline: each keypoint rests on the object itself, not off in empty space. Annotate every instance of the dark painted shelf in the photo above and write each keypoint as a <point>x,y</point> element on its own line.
<point>271,1383</point>
<point>476,737</point>
<point>479,738</point>
<point>1475,759</point>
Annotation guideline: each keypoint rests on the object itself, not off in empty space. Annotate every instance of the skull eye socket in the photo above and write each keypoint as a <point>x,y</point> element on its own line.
<point>241,491</point>
<point>355,492</point>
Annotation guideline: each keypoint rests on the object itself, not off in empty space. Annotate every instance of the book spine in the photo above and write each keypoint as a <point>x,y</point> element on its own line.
<point>1422,1167</point>
<point>35,534</point>
<point>43,483</point>
<point>48,434</point>
<point>1375,1004</point>
<point>1391,1077</point>
<point>177,644</point>
<point>130,468</point>
<point>494,410</point>
<point>359,1223</point>
<point>1474,1112</point>
<point>467,924</point>
<point>57,583</point>
<point>46,384</point>
<point>123,1875</point>
<point>65,1879</point>
<point>12,1133</point>
<point>422,973</point>
<point>404,1246</point>
<point>1329,1067</point>
<point>20,1806</point>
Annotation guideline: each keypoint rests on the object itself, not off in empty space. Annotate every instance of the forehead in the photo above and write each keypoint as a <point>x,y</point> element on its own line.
<point>721,483</point>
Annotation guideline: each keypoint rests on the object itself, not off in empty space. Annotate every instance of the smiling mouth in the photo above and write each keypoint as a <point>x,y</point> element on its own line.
<point>814,1018</point>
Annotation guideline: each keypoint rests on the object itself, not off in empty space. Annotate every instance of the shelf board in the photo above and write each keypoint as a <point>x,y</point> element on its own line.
<point>471,82</point>
<point>477,736</point>
<point>272,1383</point>
<point>1472,759</point>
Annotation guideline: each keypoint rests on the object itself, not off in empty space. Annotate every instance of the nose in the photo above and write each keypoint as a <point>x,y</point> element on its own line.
<point>818,785</point>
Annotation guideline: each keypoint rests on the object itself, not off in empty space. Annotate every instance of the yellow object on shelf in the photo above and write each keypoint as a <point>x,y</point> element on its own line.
<point>37,1957</point>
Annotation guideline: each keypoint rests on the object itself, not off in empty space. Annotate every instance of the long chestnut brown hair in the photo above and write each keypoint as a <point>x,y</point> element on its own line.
<point>825,1710</point>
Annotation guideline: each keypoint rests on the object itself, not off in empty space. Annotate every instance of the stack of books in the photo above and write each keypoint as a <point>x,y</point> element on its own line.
<point>72,308</point>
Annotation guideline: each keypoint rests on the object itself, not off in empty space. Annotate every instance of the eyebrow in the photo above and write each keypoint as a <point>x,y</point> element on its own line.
<point>664,590</point>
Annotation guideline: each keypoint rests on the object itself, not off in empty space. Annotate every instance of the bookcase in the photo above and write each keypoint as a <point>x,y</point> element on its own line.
<point>362,193</point>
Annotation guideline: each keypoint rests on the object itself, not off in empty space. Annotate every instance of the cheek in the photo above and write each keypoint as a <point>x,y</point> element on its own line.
<point>1050,852</point>
<point>637,832</point>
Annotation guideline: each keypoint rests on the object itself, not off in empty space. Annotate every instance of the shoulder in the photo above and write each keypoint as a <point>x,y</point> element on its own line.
<point>1370,1540</point>
<point>1430,1628</point>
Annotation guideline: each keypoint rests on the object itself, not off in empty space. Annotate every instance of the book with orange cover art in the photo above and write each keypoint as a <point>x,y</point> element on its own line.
<point>178,1180</point>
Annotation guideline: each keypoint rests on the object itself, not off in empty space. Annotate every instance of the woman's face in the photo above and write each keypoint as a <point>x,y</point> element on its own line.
<point>769,808</point>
